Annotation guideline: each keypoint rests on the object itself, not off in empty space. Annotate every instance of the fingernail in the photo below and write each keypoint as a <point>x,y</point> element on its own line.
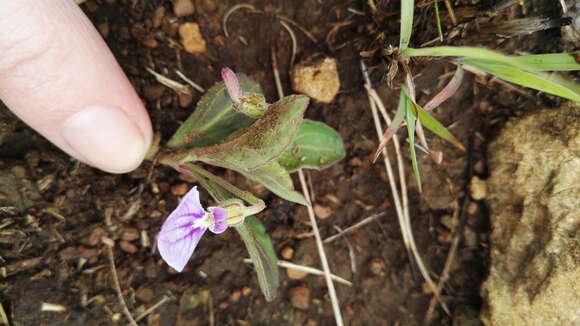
<point>106,138</point>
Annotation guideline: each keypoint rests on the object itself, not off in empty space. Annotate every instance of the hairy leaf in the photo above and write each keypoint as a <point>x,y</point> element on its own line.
<point>274,177</point>
<point>264,142</point>
<point>262,254</point>
<point>214,118</point>
<point>316,146</point>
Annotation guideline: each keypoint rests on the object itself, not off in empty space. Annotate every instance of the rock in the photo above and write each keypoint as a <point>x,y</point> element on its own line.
<point>477,188</point>
<point>318,79</point>
<point>322,212</point>
<point>533,196</point>
<point>183,8</point>
<point>179,189</point>
<point>235,296</point>
<point>300,296</point>
<point>153,92</point>
<point>295,274</point>
<point>246,290</point>
<point>287,253</point>
<point>185,100</point>
<point>191,38</point>
<point>130,234</point>
<point>128,247</point>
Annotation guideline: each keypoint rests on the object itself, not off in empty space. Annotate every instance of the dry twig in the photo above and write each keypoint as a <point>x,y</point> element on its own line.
<point>319,245</point>
<point>109,244</point>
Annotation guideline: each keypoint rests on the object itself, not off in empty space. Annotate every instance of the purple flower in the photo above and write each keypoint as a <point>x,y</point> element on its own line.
<point>232,84</point>
<point>184,227</point>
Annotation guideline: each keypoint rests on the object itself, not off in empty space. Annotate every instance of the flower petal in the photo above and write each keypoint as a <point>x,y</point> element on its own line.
<point>232,84</point>
<point>177,253</point>
<point>220,216</point>
<point>190,205</point>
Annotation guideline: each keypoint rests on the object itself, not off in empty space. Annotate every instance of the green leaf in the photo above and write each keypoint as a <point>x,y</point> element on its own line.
<point>411,119</point>
<point>274,177</point>
<point>551,62</point>
<point>316,146</point>
<point>548,83</point>
<point>262,255</point>
<point>436,127</point>
<point>264,142</point>
<point>214,118</point>
<point>407,8</point>
<point>538,62</point>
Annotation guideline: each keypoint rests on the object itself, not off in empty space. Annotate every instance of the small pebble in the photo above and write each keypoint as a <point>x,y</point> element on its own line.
<point>223,305</point>
<point>185,100</point>
<point>295,274</point>
<point>472,208</point>
<point>300,296</point>
<point>287,253</point>
<point>183,8</point>
<point>322,212</point>
<point>153,92</point>
<point>235,296</point>
<point>191,38</point>
<point>130,234</point>
<point>179,189</point>
<point>246,290</point>
<point>128,247</point>
<point>150,42</point>
<point>318,79</point>
<point>477,188</point>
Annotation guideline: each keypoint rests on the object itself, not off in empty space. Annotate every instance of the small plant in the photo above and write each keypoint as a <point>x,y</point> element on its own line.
<point>234,128</point>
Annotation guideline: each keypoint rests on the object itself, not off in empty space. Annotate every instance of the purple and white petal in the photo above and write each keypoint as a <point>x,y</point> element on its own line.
<point>176,227</point>
<point>177,253</point>
<point>220,216</point>
<point>232,84</point>
<point>190,205</point>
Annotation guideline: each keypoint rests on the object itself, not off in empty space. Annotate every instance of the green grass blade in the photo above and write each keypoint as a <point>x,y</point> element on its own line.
<point>436,127</point>
<point>407,8</point>
<point>438,21</point>
<point>552,61</point>
<point>548,83</point>
<point>411,119</point>
<point>538,62</point>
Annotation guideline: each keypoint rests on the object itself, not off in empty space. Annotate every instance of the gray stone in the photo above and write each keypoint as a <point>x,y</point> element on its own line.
<point>534,200</point>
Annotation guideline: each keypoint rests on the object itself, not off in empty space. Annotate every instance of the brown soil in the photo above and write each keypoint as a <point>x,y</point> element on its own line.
<point>51,227</point>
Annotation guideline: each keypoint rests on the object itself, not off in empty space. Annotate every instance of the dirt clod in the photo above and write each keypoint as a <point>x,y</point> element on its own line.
<point>322,212</point>
<point>183,8</point>
<point>179,189</point>
<point>130,234</point>
<point>287,253</point>
<point>318,79</point>
<point>477,188</point>
<point>300,296</point>
<point>128,247</point>
<point>295,274</point>
<point>191,38</point>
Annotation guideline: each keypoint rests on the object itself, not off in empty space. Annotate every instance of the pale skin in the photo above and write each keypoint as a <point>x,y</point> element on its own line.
<point>58,75</point>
